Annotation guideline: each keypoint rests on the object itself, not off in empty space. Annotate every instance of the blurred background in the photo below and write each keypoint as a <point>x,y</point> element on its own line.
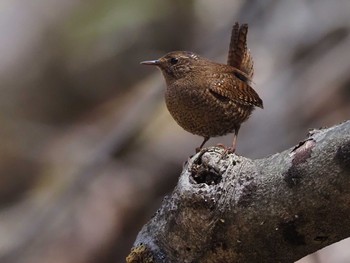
<point>88,149</point>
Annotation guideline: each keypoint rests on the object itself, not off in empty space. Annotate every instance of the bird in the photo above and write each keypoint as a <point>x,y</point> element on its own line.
<point>207,98</point>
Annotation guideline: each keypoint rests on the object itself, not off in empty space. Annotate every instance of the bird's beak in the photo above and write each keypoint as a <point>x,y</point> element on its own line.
<point>151,62</point>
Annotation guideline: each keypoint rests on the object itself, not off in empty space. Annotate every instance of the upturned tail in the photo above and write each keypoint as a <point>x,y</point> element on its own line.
<point>239,55</point>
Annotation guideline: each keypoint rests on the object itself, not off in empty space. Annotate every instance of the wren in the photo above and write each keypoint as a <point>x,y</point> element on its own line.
<point>210,99</point>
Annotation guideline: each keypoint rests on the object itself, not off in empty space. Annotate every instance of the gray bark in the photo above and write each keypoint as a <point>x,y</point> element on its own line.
<point>228,208</point>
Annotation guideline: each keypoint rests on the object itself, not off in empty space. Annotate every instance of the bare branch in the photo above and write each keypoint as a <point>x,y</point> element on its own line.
<point>228,208</point>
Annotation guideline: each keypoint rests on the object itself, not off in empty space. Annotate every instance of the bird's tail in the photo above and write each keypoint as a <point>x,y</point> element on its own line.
<point>239,55</point>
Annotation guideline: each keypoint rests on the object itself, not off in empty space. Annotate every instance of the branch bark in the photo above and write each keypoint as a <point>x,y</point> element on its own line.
<point>228,208</point>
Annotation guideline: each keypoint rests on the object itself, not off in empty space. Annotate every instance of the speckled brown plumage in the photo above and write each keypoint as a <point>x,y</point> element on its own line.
<point>207,98</point>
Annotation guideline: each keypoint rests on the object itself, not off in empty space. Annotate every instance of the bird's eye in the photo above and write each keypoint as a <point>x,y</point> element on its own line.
<point>173,61</point>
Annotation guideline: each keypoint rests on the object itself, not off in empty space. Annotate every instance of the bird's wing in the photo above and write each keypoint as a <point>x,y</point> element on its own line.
<point>239,55</point>
<point>235,87</point>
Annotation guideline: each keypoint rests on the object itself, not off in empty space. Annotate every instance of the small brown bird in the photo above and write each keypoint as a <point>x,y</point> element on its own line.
<point>207,98</point>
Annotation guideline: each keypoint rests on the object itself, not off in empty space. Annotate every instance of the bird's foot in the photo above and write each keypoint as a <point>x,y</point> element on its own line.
<point>227,150</point>
<point>230,150</point>
<point>201,150</point>
<point>221,146</point>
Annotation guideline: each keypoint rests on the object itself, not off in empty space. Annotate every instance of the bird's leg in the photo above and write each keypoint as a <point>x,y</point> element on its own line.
<point>234,141</point>
<point>204,141</point>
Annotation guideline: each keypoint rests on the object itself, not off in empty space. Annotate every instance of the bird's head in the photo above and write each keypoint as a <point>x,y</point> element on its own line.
<point>177,64</point>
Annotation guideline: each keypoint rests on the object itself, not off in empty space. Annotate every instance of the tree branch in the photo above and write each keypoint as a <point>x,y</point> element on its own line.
<point>228,208</point>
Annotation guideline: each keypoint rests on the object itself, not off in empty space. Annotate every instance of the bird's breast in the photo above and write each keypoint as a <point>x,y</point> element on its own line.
<point>197,111</point>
